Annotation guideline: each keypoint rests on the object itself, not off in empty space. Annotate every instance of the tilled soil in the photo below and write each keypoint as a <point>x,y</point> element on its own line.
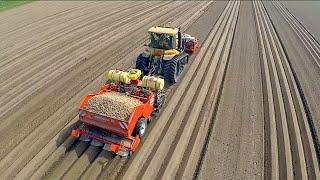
<point>306,14</point>
<point>303,50</point>
<point>245,107</point>
<point>236,139</point>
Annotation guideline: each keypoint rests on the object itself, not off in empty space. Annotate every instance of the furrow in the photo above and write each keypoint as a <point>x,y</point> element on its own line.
<point>288,172</point>
<point>44,129</point>
<point>287,97</point>
<point>184,25</point>
<point>47,156</point>
<point>112,173</point>
<point>47,42</point>
<point>291,146</point>
<point>306,143</point>
<point>39,85</point>
<point>23,27</point>
<point>47,163</point>
<point>217,80</point>
<point>137,164</point>
<point>269,105</point>
<point>70,158</point>
<point>312,46</point>
<point>93,172</point>
<point>34,161</point>
<point>112,166</point>
<point>82,163</point>
<point>38,80</point>
<point>20,41</point>
<point>306,38</point>
<point>119,166</point>
<point>191,112</point>
<point>15,154</point>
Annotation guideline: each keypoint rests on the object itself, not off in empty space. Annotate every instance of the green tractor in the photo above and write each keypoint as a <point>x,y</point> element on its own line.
<point>167,53</point>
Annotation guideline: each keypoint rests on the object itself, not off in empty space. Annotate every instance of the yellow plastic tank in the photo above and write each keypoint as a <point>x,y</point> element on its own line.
<point>134,74</point>
<point>118,76</point>
<point>152,82</point>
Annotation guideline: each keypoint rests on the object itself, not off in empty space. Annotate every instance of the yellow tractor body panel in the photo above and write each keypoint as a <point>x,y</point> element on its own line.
<point>167,54</point>
<point>164,30</point>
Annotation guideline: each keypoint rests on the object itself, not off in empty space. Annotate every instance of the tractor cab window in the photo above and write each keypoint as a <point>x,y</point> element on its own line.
<point>162,41</point>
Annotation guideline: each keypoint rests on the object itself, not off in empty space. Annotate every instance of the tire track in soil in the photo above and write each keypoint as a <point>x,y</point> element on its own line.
<point>29,74</point>
<point>60,150</point>
<point>291,149</point>
<point>81,69</point>
<point>15,81</point>
<point>45,72</point>
<point>68,171</point>
<point>67,161</point>
<point>96,167</point>
<point>313,47</point>
<point>123,161</point>
<point>139,164</point>
<point>10,118</point>
<point>32,139</point>
<point>82,163</point>
<point>107,171</point>
<point>232,133</point>
<point>182,141</point>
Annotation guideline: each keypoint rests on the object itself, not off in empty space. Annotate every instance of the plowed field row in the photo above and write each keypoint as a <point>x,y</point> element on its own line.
<point>313,47</point>
<point>288,138</point>
<point>28,161</point>
<point>163,152</point>
<point>50,60</point>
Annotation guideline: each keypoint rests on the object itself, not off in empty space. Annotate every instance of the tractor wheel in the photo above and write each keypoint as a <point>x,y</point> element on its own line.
<point>141,127</point>
<point>172,70</point>
<point>142,63</point>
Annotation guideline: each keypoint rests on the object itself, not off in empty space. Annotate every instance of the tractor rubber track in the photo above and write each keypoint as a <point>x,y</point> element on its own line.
<point>17,159</point>
<point>288,139</point>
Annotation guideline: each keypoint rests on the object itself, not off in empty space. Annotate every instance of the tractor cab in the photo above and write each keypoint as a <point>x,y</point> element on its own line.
<point>164,41</point>
<point>163,38</point>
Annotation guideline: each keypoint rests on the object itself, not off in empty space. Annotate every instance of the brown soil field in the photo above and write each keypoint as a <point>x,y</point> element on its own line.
<point>246,107</point>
